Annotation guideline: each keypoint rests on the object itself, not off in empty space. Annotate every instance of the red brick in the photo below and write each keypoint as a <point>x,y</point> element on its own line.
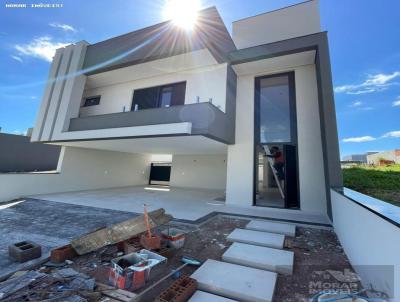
<point>62,253</point>
<point>180,291</point>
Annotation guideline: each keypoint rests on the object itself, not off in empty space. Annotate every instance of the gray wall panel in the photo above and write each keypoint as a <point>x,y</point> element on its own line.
<point>206,120</point>
<point>18,154</point>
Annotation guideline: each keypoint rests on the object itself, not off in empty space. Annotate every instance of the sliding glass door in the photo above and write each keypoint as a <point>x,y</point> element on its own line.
<point>276,167</point>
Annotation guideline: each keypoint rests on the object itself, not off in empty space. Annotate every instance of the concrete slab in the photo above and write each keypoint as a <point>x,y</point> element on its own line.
<point>200,296</point>
<point>257,238</point>
<point>260,257</point>
<point>182,203</point>
<point>272,227</point>
<point>235,281</point>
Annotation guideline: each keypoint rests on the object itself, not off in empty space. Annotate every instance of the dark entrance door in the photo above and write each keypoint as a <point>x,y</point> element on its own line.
<point>291,183</point>
<point>275,142</point>
<point>160,174</point>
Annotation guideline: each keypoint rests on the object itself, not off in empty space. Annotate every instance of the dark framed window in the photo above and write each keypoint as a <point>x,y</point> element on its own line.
<point>159,96</point>
<point>276,171</point>
<point>276,110</point>
<point>92,101</point>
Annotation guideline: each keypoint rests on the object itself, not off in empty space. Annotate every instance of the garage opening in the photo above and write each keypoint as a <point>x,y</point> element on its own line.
<point>160,169</point>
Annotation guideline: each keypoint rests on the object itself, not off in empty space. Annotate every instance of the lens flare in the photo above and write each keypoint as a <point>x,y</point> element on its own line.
<point>183,13</point>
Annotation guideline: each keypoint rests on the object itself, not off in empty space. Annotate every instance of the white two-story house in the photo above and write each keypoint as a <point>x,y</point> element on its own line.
<point>250,114</point>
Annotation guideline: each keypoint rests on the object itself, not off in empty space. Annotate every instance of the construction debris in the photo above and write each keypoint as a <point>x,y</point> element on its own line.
<point>118,232</point>
<point>24,251</point>
<point>180,291</point>
<point>133,270</point>
<point>174,237</point>
<point>83,278</point>
<point>119,295</point>
<point>62,253</point>
<point>148,240</point>
<point>13,285</point>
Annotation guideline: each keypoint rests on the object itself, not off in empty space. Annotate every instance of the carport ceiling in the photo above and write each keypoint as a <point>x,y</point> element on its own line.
<point>196,144</point>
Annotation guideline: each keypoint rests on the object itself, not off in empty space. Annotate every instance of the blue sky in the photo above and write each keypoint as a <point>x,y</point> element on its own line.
<point>364,41</point>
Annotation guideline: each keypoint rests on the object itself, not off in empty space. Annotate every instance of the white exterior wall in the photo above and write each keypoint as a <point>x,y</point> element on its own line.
<point>239,183</point>
<point>370,242</point>
<point>311,161</point>
<point>80,169</point>
<point>65,89</point>
<point>240,156</point>
<point>208,82</point>
<point>290,22</point>
<point>199,171</point>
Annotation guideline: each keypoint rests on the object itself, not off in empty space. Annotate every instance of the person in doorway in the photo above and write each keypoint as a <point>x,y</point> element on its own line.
<point>279,162</point>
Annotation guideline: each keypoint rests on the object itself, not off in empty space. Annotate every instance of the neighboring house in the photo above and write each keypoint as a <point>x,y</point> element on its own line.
<point>361,158</point>
<point>217,103</point>
<point>387,156</point>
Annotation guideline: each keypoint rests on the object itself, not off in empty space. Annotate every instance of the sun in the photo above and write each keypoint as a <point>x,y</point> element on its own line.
<point>183,13</point>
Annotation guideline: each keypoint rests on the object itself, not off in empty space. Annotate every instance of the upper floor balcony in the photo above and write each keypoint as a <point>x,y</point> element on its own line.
<point>128,86</point>
<point>197,119</point>
<point>188,91</point>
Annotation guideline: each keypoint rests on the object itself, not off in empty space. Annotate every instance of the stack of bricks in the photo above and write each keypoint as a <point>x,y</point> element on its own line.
<point>180,291</point>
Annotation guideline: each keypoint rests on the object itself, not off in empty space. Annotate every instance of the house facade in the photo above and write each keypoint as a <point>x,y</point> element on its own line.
<point>250,114</point>
<point>384,157</point>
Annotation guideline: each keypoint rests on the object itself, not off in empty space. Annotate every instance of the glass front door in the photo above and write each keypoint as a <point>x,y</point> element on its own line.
<point>276,172</point>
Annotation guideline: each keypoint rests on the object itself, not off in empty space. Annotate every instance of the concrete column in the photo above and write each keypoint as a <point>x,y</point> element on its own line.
<point>63,93</point>
<point>48,92</point>
<point>57,94</point>
<point>240,166</point>
<point>310,152</point>
<point>73,90</point>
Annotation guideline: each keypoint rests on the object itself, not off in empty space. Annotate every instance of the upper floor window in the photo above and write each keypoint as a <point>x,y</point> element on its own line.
<point>92,101</point>
<point>276,109</point>
<point>160,96</point>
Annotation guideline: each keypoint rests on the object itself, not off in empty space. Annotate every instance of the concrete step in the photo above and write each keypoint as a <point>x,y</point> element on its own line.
<point>257,238</point>
<point>236,282</point>
<point>200,296</point>
<point>260,257</point>
<point>272,227</point>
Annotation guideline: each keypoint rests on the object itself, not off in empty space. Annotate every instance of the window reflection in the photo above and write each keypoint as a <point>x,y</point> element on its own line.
<point>274,110</point>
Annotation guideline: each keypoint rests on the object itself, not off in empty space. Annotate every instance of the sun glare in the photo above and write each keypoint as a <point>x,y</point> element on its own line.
<point>182,12</point>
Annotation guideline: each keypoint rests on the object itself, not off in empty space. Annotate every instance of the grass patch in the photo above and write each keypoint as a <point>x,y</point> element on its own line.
<point>379,182</point>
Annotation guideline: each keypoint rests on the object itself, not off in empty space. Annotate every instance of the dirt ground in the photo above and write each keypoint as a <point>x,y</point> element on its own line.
<point>319,260</point>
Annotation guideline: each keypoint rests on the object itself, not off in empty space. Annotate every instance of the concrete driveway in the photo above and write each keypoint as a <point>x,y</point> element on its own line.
<point>186,204</point>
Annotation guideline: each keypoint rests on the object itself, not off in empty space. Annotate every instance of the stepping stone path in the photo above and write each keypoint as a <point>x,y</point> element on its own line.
<point>257,238</point>
<point>252,263</point>
<point>260,257</point>
<point>272,227</point>
<point>235,281</point>
<point>200,296</point>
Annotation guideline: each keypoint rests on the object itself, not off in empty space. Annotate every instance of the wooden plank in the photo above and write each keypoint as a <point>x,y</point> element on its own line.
<point>119,294</point>
<point>102,287</point>
<point>118,232</point>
